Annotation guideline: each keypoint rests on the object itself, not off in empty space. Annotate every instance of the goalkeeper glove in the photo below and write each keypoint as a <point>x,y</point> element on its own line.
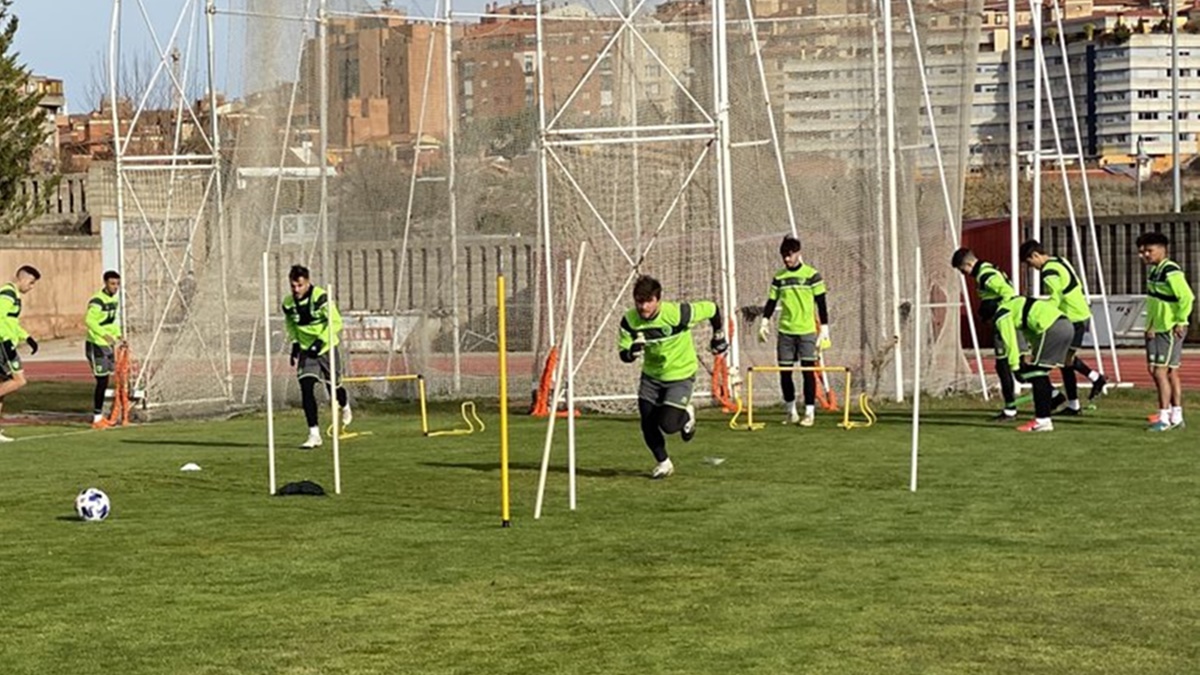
<point>718,344</point>
<point>638,346</point>
<point>295,353</point>
<point>764,329</point>
<point>315,348</point>
<point>823,341</point>
<point>33,345</point>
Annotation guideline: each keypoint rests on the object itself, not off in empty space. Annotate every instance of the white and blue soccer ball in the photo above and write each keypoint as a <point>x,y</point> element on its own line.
<point>92,504</point>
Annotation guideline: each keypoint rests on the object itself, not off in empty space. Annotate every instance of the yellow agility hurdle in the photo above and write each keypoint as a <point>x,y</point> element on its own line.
<point>420,380</point>
<point>846,423</point>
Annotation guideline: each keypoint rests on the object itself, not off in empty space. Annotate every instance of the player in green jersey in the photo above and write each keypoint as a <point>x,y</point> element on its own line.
<point>12,376</point>
<point>799,291</point>
<point>994,287</point>
<point>1064,287</point>
<point>1048,334</point>
<point>660,334</point>
<point>1169,301</point>
<point>103,335</point>
<point>314,326</point>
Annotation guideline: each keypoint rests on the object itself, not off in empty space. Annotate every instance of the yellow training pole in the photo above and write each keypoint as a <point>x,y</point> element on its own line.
<point>502,342</point>
<point>846,397</point>
<point>750,398</point>
<point>424,413</point>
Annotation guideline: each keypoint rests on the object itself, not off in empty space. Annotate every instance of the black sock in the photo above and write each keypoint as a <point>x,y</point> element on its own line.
<point>1082,368</point>
<point>308,398</point>
<point>810,387</point>
<point>1008,388</point>
<point>1043,392</point>
<point>98,395</point>
<point>1069,384</point>
<point>651,432</point>
<point>788,384</point>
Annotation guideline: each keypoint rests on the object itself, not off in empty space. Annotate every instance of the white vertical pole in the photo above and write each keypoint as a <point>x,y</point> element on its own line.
<point>889,59</point>
<point>323,126</point>
<point>918,319</point>
<point>334,381</point>
<point>725,177</point>
<point>569,356</point>
<point>1014,157</point>
<point>543,175</point>
<point>1035,157</point>
<point>452,188</point>
<point>219,193</point>
<point>114,99</point>
<point>266,295</point>
<point>1176,190</point>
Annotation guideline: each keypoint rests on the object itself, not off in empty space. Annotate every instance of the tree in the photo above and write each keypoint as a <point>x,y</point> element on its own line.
<point>22,131</point>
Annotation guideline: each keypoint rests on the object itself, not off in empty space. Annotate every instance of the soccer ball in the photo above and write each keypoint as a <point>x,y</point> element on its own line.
<point>92,504</point>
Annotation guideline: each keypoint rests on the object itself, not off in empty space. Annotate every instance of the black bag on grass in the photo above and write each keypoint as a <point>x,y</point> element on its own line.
<point>304,487</point>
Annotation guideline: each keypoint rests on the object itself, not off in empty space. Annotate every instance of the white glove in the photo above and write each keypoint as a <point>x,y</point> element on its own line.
<point>764,329</point>
<point>823,341</point>
<point>638,346</point>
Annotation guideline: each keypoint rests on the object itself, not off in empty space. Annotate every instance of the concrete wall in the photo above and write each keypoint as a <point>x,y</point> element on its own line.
<point>71,272</point>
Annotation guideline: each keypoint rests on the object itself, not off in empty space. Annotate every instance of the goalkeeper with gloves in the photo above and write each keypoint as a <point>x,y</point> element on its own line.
<point>799,291</point>
<point>660,333</point>
<point>309,315</point>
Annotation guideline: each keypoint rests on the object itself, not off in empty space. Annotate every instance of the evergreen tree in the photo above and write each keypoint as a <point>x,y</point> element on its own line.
<point>22,131</point>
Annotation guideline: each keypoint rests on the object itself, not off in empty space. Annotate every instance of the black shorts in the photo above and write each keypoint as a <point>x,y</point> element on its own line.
<point>677,394</point>
<point>101,358</point>
<point>318,366</point>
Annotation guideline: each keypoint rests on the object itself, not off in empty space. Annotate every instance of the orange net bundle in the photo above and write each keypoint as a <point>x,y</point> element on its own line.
<point>119,415</point>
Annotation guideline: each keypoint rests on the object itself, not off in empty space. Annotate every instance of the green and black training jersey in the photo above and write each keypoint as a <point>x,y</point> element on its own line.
<point>797,292</point>
<point>10,314</point>
<point>310,319</point>
<point>103,327</point>
<point>1065,289</point>
<point>1169,298</point>
<point>991,282</point>
<point>670,354</point>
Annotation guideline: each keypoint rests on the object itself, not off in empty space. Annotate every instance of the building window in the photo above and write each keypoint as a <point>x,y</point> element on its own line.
<point>653,71</point>
<point>1147,116</point>
<point>1147,93</point>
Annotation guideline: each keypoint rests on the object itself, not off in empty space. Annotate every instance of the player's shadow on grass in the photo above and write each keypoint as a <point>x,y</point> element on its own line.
<point>191,444</point>
<point>528,466</point>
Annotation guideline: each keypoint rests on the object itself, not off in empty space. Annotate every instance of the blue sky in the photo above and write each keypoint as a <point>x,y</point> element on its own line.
<point>68,39</point>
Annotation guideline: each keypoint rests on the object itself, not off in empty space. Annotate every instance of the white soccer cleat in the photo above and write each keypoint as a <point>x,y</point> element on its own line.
<point>1034,426</point>
<point>792,417</point>
<point>662,469</point>
<point>689,427</point>
<point>808,421</point>
<point>347,416</point>
<point>314,441</point>
<point>6,439</point>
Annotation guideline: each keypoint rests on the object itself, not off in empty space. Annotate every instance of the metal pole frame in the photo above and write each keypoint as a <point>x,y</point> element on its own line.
<point>951,217</point>
<point>893,197</point>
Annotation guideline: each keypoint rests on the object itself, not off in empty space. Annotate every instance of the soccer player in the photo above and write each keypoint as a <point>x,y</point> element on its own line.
<point>12,377</point>
<point>660,333</point>
<point>103,334</point>
<point>1169,301</point>
<point>799,291</point>
<point>1063,285</point>
<point>309,316</point>
<point>994,288</point>
<point>1049,335</point>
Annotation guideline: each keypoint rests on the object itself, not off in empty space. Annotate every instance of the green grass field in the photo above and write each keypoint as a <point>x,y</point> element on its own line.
<point>1071,552</point>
